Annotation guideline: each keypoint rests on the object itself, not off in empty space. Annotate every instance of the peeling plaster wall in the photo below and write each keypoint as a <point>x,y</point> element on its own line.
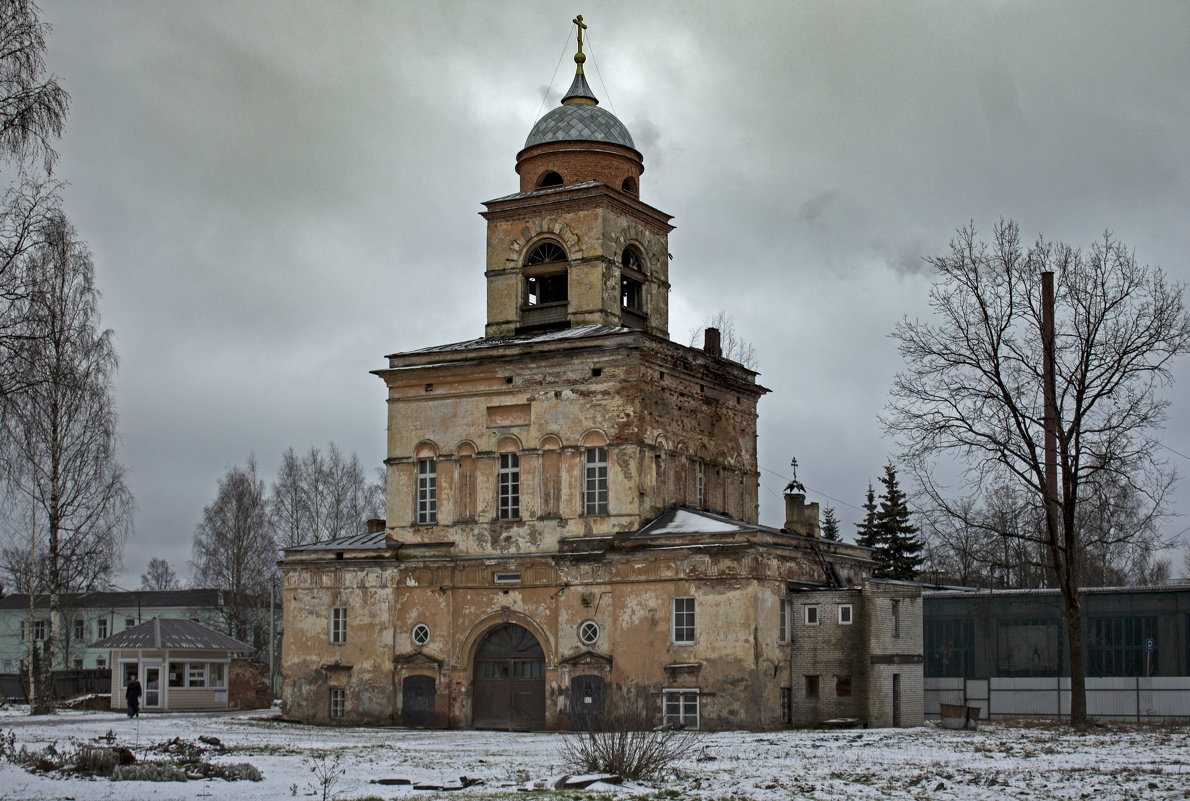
<point>362,666</point>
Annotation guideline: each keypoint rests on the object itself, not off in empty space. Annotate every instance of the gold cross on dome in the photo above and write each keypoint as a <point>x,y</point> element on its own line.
<point>581,27</point>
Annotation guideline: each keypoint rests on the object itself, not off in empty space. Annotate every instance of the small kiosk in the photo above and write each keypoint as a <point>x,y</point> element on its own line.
<point>183,666</point>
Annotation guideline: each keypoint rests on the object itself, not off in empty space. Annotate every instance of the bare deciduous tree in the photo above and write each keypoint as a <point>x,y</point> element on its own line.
<point>32,105</point>
<point>318,498</point>
<point>233,550</point>
<point>734,346</point>
<point>972,387</point>
<point>159,576</point>
<point>60,430</point>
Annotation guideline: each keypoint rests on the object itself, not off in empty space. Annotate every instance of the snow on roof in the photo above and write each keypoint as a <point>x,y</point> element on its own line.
<point>578,332</point>
<point>975,592</point>
<point>688,521</point>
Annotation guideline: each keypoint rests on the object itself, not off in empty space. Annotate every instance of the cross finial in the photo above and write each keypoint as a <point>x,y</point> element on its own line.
<point>579,57</point>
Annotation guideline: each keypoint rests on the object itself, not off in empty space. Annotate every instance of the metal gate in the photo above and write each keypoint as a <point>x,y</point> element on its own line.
<point>586,702</point>
<point>417,701</point>
<point>509,687</point>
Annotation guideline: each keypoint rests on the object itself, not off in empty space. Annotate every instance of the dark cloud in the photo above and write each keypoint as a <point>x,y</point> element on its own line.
<point>278,195</point>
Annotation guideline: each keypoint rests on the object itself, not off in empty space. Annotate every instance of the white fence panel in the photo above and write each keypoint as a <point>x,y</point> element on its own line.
<point>1119,698</point>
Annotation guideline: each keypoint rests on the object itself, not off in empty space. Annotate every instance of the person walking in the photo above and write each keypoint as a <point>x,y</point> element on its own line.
<point>133,695</point>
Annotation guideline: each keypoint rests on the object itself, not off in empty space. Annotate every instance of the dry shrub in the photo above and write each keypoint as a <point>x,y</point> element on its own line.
<point>627,740</point>
<point>149,772</point>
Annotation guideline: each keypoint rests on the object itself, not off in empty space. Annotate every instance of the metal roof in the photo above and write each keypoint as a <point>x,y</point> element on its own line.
<point>142,599</point>
<point>975,592</point>
<point>580,122</point>
<point>168,632</point>
<point>372,540</point>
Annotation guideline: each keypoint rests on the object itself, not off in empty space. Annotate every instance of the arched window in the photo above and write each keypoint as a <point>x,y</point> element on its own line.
<point>545,274</point>
<point>629,186</point>
<point>632,281</point>
<point>549,179</point>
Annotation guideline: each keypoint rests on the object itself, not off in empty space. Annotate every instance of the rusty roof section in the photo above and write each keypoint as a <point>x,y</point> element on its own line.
<point>167,632</point>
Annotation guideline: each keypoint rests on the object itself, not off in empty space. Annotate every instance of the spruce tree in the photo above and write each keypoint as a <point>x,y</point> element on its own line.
<point>830,525</point>
<point>898,548</point>
<point>866,534</point>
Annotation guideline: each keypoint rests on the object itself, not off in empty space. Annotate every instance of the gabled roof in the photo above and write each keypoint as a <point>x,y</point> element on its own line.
<point>167,632</point>
<point>142,599</point>
<point>678,520</point>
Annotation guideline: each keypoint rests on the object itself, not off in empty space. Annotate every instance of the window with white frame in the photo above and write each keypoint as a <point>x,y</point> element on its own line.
<point>129,622</point>
<point>683,620</point>
<point>811,614</point>
<point>844,614</point>
<point>595,483</point>
<point>196,674</point>
<point>339,625</point>
<point>101,625</point>
<point>217,675</point>
<point>80,629</point>
<point>700,484</point>
<point>783,622</point>
<point>588,632</point>
<point>427,491</point>
<point>681,708</point>
<point>420,634</point>
<point>40,627</point>
<point>510,487</point>
<point>338,702</point>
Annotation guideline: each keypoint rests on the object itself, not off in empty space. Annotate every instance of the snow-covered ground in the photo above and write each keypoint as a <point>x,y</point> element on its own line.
<point>1000,761</point>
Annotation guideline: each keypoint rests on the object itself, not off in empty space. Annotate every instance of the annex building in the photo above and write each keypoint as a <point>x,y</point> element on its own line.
<point>571,505</point>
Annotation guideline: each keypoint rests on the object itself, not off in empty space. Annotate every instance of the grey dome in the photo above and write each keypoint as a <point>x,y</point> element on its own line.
<point>580,122</point>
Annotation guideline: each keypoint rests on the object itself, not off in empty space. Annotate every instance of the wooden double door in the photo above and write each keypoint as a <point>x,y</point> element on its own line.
<point>508,691</point>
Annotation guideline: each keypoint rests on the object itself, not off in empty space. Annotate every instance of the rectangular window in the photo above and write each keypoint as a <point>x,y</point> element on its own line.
<point>80,629</point>
<point>1116,646</point>
<point>506,578</point>
<point>78,664</point>
<point>338,625</point>
<point>811,686</point>
<point>196,675</point>
<point>681,708</point>
<point>100,662</point>
<point>950,647</point>
<point>510,486</point>
<point>844,614</point>
<point>338,702</point>
<point>787,705</point>
<point>783,622</point>
<point>129,622</point>
<point>39,630</point>
<point>217,675</point>
<point>700,484</point>
<point>427,491</point>
<point>811,614</point>
<point>683,620</point>
<point>102,625</point>
<point>596,482</point>
<point>177,674</point>
<point>896,618</point>
<point>843,686</point>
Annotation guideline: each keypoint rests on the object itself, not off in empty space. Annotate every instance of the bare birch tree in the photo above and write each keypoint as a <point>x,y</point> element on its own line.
<point>731,343</point>
<point>60,430</point>
<point>233,550</point>
<point>320,497</point>
<point>972,387</point>
<point>159,576</point>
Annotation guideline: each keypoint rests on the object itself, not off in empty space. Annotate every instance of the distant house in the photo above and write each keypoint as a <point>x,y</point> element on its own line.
<point>182,665</point>
<point>91,616</point>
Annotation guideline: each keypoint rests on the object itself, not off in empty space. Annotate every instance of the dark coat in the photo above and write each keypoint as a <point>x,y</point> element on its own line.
<point>134,692</point>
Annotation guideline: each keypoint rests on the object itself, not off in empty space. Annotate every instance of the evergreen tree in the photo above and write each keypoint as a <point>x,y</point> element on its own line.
<point>866,533</point>
<point>830,525</point>
<point>898,546</point>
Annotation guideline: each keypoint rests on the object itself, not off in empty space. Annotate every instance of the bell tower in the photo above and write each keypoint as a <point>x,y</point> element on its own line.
<point>576,246</point>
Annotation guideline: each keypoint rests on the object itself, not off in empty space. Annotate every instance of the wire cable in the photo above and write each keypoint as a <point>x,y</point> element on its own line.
<point>558,66</point>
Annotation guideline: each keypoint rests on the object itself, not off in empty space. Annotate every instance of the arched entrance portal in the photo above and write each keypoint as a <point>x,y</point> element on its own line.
<point>509,690</point>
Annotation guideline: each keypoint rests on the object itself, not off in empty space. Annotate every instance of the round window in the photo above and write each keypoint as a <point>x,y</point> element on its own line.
<point>588,632</point>
<point>421,634</point>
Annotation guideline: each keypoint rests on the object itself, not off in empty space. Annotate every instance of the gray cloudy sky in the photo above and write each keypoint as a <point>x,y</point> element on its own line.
<point>277,194</point>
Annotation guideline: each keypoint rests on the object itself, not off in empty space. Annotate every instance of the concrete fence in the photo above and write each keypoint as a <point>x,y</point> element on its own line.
<point>1129,698</point>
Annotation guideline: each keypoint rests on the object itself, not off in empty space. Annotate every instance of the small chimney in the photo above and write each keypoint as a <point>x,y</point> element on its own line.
<point>710,342</point>
<point>375,525</point>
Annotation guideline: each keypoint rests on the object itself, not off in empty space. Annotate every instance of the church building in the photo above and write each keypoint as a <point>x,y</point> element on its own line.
<point>571,505</point>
